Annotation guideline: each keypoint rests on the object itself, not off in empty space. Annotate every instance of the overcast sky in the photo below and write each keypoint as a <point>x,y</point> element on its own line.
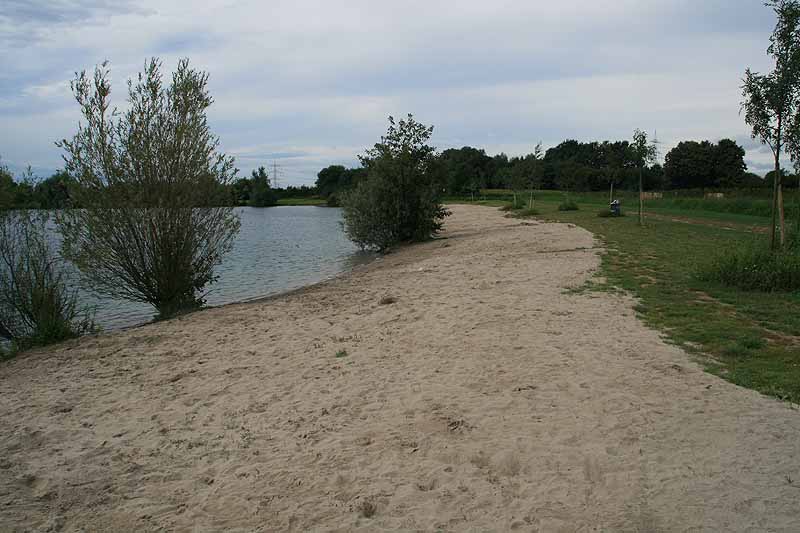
<point>310,83</point>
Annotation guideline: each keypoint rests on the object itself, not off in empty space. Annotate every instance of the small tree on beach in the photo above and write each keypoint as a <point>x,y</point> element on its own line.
<point>399,199</point>
<point>145,178</point>
<point>771,102</point>
<point>643,154</point>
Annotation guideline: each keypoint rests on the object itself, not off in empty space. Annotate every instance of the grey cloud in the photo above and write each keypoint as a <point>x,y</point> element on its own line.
<point>65,11</point>
<point>310,82</point>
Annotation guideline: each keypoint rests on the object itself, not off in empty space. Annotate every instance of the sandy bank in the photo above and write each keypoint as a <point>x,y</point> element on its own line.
<point>485,398</point>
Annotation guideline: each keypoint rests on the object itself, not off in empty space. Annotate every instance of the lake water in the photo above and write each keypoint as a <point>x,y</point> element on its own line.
<point>278,249</point>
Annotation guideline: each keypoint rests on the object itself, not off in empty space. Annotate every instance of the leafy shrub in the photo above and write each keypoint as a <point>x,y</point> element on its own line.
<point>568,205</point>
<point>753,266</point>
<point>36,305</point>
<point>333,200</point>
<point>398,200</point>
<point>145,178</point>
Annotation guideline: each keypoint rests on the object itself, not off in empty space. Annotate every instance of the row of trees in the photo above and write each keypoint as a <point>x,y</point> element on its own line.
<point>59,191</point>
<point>31,193</point>
<point>574,166</point>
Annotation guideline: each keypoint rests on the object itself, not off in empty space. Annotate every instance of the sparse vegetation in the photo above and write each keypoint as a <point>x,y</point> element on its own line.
<point>754,267</point>
<point>37,305</point>
<point>341,353</point>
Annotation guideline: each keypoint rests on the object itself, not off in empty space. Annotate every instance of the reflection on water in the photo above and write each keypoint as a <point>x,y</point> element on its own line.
<point>277,249</point>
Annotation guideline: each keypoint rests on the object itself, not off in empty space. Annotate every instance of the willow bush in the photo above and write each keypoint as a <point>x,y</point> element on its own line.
<point>150,181</point>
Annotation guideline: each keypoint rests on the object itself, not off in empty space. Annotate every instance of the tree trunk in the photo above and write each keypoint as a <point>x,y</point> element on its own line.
<point>611,194</point>
<point>781,217</point>
<point>774,201</point>
<point>530,202</point>
<point>641,199</point>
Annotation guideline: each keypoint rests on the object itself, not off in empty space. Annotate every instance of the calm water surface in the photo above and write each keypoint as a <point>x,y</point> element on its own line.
<point>277,249</point>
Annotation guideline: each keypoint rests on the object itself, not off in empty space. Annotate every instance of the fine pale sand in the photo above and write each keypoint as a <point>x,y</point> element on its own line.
<point>485,398</point>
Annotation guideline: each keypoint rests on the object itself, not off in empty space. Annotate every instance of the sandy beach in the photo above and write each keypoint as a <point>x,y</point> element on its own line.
<point>455,385</point>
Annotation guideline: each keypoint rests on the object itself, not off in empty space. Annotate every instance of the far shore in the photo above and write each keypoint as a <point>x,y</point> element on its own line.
<point>457,384</point>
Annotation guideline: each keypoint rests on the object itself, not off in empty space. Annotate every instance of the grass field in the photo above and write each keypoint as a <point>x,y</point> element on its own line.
<point>303,201</point>
<point>749,338</point>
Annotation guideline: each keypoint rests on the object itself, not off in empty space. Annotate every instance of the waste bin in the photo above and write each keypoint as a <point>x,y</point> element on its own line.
<point>615,208</point>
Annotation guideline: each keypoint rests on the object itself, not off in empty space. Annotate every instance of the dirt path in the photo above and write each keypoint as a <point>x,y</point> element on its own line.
<point>485,398</point>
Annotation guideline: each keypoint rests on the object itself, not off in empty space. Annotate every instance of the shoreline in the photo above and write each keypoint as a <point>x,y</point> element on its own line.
<point>486,395</point>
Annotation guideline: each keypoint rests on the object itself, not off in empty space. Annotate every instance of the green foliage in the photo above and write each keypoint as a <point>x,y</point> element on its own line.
<point>568,205</point>
<point>261,194</point>
<point>398,200</point>
<point>334,180</point>
<point>466,169</point>
<point>754,267</point>
<point>703,164</point>
<point>7,187</point>
<point>771,102</point>
<point>145,178</point>
<point>341,353</point>
<point>37,307</point>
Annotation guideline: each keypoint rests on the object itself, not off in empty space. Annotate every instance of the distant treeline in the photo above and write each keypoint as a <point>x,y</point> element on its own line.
<point>58,191</point>
<point>576,166</point>
<point>570,166</point>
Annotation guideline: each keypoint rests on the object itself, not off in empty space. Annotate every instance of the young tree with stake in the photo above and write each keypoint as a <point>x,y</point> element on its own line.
<point>771,105</point>
<point>644,154</point>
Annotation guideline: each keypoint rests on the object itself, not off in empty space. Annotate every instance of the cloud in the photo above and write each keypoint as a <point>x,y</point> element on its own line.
<point>310,82</point>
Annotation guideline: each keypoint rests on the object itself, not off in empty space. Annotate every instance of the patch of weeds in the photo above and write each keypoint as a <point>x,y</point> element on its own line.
<point>754,267</point>
<point>341,353</point>
<point>525,213</point>
<point>568,205</point>
<point>589,285</point>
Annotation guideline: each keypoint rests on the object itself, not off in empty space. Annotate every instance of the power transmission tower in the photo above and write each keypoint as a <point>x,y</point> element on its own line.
<point>657,144</point>
<point>276,171</point>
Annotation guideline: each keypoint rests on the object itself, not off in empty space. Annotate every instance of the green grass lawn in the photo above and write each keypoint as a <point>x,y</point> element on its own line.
<point>302,201</point>
<point>749,338</point>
